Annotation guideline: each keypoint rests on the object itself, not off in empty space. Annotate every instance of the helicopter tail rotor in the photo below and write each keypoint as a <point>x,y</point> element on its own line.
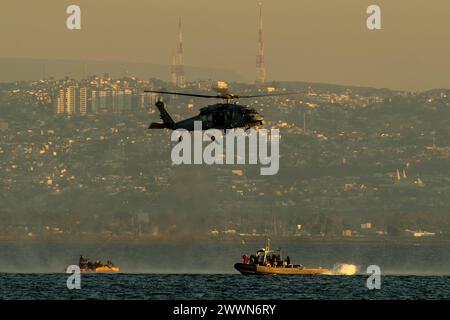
<point>165,117</point>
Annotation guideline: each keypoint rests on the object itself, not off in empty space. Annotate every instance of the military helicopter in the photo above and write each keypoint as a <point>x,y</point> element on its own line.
<point>226,115</point>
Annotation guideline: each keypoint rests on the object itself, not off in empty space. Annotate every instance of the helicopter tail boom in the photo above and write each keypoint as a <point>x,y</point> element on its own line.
<point>156,125</point>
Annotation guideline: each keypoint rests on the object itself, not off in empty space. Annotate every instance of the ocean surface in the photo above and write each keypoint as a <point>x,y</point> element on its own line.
<point>36,270</point>
<point>220,286</point>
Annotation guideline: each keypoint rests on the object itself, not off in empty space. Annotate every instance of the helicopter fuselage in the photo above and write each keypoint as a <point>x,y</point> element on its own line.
<point>223,116</point>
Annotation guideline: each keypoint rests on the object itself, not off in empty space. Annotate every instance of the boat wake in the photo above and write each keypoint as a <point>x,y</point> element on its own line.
<point>344,269</point>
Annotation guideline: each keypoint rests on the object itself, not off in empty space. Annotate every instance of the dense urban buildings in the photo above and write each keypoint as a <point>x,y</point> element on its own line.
<point>96,95</point>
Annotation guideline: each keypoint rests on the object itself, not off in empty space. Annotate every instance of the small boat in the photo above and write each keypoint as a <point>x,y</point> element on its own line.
<point>87,266</point>
<point>260,264</point>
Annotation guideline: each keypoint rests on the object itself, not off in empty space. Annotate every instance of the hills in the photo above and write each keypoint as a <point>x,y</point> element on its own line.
<point>14,69</point>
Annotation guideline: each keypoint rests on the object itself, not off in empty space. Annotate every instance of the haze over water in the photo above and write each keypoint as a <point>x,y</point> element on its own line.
<point>216,257</point>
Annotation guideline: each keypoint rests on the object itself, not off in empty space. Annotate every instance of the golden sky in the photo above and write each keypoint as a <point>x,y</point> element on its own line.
<point>308,40</point>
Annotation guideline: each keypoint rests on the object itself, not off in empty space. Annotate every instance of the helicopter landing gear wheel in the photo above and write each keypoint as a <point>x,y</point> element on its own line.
<point>213,138</point>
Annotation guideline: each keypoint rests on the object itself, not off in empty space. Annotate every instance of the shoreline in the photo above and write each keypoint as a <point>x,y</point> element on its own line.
<point>236,241</point>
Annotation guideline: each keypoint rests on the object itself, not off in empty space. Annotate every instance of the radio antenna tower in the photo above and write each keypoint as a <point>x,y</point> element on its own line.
<point>260,58</point>
<point>177,72</point>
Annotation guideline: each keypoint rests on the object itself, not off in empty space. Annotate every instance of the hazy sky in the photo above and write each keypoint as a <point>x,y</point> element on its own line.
<point>309,40</point>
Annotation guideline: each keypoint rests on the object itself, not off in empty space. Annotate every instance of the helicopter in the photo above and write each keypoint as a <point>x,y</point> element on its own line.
<point>226,115</point>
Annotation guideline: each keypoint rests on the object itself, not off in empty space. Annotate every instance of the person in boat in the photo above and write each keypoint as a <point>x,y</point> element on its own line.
<point>288,260</point>
<point>82,262</point>
<point>274,260</point>
<point>245,259</point>
<point>252,259</point>
<point>90,265</point>
<point>279,260</point>
<point>109,264</point>
<point>98,264</point>
<point>260,257</point>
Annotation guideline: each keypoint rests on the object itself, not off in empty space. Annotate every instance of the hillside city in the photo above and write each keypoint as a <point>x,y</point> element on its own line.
<point>78,162</point>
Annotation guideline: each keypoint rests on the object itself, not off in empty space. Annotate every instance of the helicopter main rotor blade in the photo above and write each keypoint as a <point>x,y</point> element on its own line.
<point>185,94</point>
<point>227,96</point>
<point>268,95</point>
